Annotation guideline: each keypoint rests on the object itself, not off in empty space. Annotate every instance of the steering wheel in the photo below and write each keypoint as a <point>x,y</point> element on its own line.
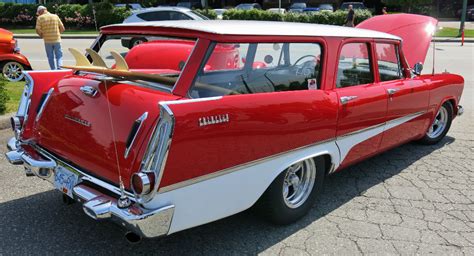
<point>307,67</point>
<point>303,57</point>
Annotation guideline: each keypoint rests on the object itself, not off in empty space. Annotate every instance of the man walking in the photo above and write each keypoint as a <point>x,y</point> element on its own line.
<point>350,17</point>
<point>49,27</point>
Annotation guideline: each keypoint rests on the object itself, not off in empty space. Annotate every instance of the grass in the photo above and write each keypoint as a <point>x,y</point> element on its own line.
<point>453,32</point>
<point>14,90</point>
<point>67,32</point>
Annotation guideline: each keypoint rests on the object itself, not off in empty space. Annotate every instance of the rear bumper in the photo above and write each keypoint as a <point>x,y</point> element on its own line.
<point>96,204</point>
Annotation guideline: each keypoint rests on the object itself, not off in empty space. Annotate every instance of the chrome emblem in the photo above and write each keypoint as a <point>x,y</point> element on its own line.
<point>89,91</point>
<point>208,120</point>
<point>77,120</point>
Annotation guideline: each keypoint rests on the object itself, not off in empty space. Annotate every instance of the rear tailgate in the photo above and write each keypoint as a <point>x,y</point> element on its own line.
<point>78,128</point>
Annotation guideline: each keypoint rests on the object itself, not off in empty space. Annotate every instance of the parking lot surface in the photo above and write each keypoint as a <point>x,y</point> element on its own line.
<point>414,199</point>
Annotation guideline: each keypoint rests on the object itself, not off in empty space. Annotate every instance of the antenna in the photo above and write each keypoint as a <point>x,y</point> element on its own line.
<point>434,56</point>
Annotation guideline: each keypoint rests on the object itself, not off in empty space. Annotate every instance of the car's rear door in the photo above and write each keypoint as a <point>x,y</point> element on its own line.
<point>408,98</point>
<point>362,103</point>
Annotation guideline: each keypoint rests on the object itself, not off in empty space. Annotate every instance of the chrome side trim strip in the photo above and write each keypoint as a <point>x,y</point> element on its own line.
<point>235,168</point>
<point>140,120</point>
<point>48,96</point>
<point>175,102</point>
<point>255,162</point>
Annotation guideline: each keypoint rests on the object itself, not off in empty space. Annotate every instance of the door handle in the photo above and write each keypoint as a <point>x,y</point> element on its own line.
<point>392,91</point>
<point>345,99</point>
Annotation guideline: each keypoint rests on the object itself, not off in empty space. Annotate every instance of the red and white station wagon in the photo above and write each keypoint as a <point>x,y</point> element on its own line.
<point>210,118</point>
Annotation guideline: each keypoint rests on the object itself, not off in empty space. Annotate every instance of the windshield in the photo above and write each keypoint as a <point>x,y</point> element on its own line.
<point>161,57</point>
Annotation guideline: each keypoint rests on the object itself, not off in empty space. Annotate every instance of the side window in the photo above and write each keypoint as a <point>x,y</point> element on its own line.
<point>179,16</point>
<point>355,65</point>
<point>388,61</point>
<point>154,16</point>
<point>241,68</point>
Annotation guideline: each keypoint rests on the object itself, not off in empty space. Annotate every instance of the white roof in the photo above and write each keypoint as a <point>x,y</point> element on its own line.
<point>264,28</point>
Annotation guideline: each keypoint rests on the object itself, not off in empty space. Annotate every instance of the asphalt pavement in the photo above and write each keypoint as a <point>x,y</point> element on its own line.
<point>414,199</point>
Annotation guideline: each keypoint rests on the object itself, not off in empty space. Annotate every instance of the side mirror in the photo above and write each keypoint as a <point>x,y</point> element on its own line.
<point>418,68</point>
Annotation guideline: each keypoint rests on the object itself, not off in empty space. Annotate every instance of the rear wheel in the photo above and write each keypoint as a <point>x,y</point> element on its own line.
<point>293,192</point>
<point>440,125</point>
<point>13,71</point>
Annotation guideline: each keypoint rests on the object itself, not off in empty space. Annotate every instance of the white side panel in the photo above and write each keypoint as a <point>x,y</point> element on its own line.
<point>346,143</point>
<point>225,195</point>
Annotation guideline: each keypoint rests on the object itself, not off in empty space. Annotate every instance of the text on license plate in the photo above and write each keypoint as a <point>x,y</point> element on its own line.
<point>65,180</point>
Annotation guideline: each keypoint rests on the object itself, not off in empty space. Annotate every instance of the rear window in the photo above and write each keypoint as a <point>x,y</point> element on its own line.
<point>162,57</point>
<point>248,68</point>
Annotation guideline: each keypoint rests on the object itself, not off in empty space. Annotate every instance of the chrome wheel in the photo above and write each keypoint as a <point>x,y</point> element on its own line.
<point>137,42</point>
<point>439,123</point>
<point>13,71</point>
<point>298,183</point>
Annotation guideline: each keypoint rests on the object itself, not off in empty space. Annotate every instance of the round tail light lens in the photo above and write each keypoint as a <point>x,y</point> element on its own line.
<point>142,183</point>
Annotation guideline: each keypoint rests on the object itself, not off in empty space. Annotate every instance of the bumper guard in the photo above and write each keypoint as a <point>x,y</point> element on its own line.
<point>96,204</point>
<point>460,110</point>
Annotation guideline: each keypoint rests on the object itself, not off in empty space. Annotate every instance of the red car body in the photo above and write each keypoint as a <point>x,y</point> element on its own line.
<point>160,158</point>
<point>10,54</point>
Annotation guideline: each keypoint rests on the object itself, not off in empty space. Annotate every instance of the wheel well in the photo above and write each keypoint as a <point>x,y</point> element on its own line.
<point>327,163</point>
<point>453,104</point>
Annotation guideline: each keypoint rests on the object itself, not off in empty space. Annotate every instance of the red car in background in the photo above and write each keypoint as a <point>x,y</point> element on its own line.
<point>12,62</point>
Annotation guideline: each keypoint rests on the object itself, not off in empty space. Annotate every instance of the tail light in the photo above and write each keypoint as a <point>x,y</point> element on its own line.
<point>142,183</point>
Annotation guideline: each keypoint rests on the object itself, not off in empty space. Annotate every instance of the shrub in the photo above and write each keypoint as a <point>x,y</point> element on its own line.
<point>321,17</point>
<point>3,95</point>
<point>211,14</point>
<point>72,15</point>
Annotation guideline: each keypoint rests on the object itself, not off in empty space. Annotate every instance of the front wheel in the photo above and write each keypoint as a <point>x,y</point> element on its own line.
<point>13,71</point>
<point>440,125</point>
<point>293,192</point>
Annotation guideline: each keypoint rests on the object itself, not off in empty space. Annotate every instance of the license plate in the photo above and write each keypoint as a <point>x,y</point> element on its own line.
<point>65,180</point>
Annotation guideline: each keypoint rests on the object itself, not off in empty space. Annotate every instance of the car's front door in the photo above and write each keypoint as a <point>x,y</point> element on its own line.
<point>408,98</point>
<point>362,103</point>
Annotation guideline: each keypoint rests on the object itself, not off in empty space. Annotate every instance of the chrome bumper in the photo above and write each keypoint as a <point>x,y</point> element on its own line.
<point>460,110</point>
<point>96,204</point>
